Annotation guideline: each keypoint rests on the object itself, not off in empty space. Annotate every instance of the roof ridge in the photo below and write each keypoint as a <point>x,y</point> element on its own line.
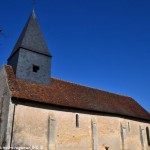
<point>93,88</point>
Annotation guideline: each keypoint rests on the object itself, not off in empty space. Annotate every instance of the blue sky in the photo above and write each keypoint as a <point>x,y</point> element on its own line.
<point>102,44</point>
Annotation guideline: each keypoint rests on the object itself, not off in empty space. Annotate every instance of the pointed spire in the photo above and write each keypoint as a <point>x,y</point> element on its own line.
<point>31,38</point>
<point>33,14</point>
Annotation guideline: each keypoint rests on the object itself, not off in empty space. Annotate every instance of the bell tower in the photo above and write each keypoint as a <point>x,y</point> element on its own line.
<point>30,58</point>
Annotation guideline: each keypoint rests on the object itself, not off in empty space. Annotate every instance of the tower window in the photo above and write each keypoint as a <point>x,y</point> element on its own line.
<point>77,120</point>
<point>35,68</point>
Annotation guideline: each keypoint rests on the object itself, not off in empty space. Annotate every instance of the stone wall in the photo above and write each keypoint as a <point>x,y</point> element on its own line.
<point>6,111</point>
<point>56,129</point>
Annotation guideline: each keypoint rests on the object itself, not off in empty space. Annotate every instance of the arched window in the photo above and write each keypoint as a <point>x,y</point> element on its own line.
<point>77,120</point>
<point>148,136</point>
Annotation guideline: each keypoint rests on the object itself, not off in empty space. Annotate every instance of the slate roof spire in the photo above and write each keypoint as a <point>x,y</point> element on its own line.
<point>31,38</point>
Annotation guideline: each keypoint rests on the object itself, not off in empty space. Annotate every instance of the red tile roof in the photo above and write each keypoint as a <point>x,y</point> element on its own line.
<point>72,95</point>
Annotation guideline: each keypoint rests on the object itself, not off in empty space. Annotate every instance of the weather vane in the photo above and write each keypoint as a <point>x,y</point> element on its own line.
<point>34,3</point>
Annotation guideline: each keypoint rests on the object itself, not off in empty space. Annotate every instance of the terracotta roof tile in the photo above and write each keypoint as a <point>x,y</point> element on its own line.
<point>72,95</point>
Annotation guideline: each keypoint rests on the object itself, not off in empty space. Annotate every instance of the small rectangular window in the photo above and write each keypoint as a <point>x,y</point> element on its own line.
<point>77,120</point>
<point>35,68</point>
<point>148,136</point>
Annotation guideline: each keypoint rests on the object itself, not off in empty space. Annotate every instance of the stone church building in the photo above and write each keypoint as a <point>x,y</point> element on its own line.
<point>39,112</point>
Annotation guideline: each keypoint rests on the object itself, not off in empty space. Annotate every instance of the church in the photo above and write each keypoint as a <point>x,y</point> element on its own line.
<point>40,112</point>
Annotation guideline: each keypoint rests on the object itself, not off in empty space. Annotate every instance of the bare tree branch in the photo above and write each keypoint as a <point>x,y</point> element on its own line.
<point>2,33</point>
